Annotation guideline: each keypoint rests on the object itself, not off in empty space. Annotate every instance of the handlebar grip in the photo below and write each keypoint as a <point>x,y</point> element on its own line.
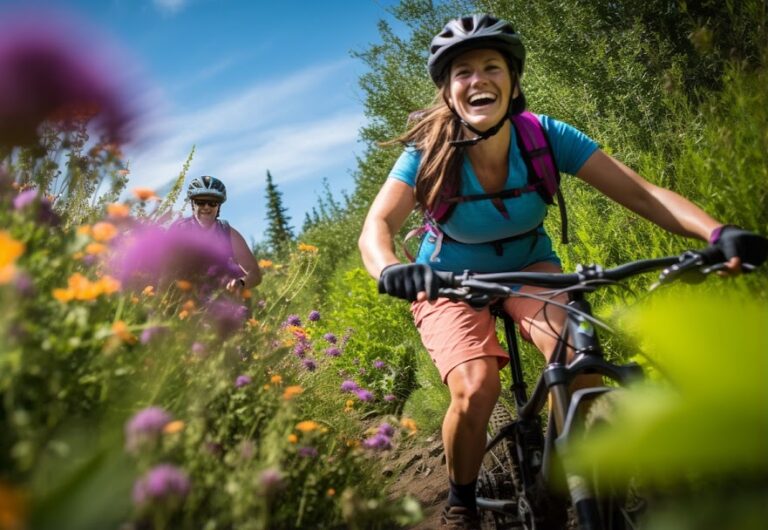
<point>446,278</point>
<point>711,255</point>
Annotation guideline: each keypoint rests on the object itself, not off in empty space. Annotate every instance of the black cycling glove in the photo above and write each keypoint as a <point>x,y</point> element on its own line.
<point>406,281</point>
<point>734,241</point>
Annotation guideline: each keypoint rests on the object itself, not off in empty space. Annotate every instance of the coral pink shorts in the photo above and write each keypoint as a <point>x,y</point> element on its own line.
<point>454,333</point>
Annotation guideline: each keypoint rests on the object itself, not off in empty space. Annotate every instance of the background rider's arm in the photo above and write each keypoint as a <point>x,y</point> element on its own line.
<point>391,207</point>
<point>659,205</point>
<point>245,258</point>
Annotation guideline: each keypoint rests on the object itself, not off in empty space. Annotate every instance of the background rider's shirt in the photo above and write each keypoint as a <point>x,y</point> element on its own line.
<point>475,222</point>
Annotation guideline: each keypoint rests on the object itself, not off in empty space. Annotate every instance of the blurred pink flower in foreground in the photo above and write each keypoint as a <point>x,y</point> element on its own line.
<point>52,68</point>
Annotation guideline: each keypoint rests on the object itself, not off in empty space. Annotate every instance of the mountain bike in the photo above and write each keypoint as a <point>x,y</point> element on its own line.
<point>523,464</point>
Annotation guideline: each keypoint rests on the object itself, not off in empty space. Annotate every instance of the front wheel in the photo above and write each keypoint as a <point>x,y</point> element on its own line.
<point>622,505</point>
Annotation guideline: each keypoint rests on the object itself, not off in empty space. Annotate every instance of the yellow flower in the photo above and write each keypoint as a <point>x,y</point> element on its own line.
<point>83,230</point>
<point>265,263</point>
<point>63,295</point>
<point>173,427</point>
<point>95,249</point>
<point>103,231</point>
<point>117,210</point>
<point>292,391</point>
<point>184,285</point>
<point>10,250</point>
<point>267,387</point>
<point>292,438</point>
<point>144,194</point>
<point>309,249</point>
<point>276,379</point>
<point>307,426</point>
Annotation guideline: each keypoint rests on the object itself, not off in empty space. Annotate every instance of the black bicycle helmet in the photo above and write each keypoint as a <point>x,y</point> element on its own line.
<point>207,186</point>
<point>471,33</point>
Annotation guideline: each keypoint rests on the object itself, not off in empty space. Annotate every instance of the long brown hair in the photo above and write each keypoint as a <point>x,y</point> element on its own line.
<point>429,132</point>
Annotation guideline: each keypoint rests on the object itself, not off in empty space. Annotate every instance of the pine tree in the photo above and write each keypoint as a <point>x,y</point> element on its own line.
<point>279,232</point>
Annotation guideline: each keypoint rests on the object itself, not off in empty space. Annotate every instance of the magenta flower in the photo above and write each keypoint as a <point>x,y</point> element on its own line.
<point>145,428</point>
<point>390,398</point>
<point>363,394</point>
<point>151,254</point>
<point>243,380</point>
<point>151,333</point>
<point>333,351</point>
<point>51,70</point>
<point>314,316</point>
<point>386,429</point>
<point>300,349</point>
<point>330,337</point>
<point>32,200</point>
<point>379,364</point>
<point>198,349</point>
<point>271,481</point>
<point>349,386</point>
<point>165,485</point>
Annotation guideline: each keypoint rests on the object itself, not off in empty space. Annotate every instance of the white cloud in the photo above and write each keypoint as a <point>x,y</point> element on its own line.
<point>170,6</point>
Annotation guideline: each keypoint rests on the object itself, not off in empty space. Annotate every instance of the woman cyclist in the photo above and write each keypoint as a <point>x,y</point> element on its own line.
<point>207,194</point>
<point>467,138</point>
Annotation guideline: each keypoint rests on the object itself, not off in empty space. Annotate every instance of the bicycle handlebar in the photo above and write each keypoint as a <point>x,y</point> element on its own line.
<point>692,266</point>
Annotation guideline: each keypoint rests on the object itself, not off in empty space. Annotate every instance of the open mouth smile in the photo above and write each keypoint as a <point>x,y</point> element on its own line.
<point>482,99</point>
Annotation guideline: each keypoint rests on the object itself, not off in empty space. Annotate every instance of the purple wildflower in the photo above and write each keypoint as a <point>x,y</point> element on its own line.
<point>261,304</point>
<point>386,429</point>
<point>333,351</point>
<point>314,316</point>
<point>213,448</point>
<point>300,349</point>
<point>145,428</point>
<point>31,199</point>
<point>243,380</point>
<point>54,69</point>
<point>390,398</point>
<point>307,452</point>
<point>152,332</point>
<point>151,253</point>
<point>330,337</point>
<point>362,371</point>
<point>293,320</point>
<point>378,441</point>
<point>309,364</point>
<point>164,484</point>
<point>363,394</point>
<point>227,316</point>
<point>379,364</point>
<point>25,198</point>
<point>349,386</point>
<point>271,480</point>
<point>198,349</point>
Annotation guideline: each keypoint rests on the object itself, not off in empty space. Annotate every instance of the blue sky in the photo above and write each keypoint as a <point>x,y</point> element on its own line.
<point>254,85</point>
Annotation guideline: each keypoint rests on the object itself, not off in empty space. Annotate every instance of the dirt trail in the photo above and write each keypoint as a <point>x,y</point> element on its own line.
<point>421,473</point>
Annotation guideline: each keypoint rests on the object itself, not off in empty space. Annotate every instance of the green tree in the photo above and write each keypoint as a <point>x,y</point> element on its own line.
<point>279,232</point>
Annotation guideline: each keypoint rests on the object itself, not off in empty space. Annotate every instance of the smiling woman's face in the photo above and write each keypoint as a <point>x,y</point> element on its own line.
<point>205,210</point>
<point>480,87</point>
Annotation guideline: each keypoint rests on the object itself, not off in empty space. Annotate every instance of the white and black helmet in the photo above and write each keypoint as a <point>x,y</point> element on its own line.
<point>207,186</point>
<point>472,33</point>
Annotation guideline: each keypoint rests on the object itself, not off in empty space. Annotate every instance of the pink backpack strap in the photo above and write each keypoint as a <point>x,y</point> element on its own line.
<point>536,146</point>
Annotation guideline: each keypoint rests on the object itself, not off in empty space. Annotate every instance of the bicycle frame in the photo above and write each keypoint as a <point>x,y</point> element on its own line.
<point>534,459</point>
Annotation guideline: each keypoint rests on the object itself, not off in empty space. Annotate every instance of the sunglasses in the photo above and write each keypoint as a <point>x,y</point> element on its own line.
<point>202,202</point>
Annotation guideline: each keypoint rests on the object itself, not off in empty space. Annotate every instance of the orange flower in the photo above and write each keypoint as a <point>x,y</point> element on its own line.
<point>117,210</point>
<point>123,172</point>
<point>144,194</point>
<point>265,263</point>
<point>252,322</point>
<point>246,294</point>
<point>95,249</point>
<point>173,427</point>
<point>63,295</point>
<point>276,379</point>
<point>120,330</point>
<point>189,305</point>
<point>410,425</point>
<point>292,438</point>
<point>184,285</point>
<point>149,290</point>
<point>307,426</point>
<point>309,249</point>
<point>10,250</point>
<point>183,314</point>
<point>83,230</point>
<point>292,391</point>
<point>108,285</point>
<point>13,507</point>
<point>103,231</point>
<point>331,492</point>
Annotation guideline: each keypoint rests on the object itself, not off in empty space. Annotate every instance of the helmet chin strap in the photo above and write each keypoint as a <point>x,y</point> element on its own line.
<point>480,135</point>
